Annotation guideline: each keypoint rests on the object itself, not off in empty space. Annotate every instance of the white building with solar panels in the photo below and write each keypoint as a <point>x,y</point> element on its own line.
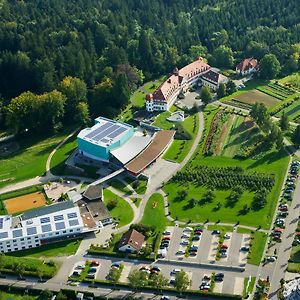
<point>44,225</point>
<point>111,140</point>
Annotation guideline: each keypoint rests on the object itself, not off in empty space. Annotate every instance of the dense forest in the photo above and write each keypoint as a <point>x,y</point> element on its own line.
<point>109,47</point>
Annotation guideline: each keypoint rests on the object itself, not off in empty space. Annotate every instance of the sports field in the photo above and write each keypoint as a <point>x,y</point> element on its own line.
<point>255,96</point>
<point>23,203</point>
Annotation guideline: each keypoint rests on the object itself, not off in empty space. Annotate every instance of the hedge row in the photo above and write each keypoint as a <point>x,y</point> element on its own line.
<point>151,289</point>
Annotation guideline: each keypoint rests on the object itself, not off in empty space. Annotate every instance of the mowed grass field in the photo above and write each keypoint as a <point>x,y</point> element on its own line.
<point>271,162</point>
<point>30,159</point>
<point>122,212</point>
<point>155,216</point>
<point>256,96</point>
<point>23,203</point>
<point>180,148</point>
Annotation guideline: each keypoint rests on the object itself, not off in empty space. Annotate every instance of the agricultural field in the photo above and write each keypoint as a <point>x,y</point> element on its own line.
<point>210,180</point>
<point>292,111</point>
<point>292,81</point>
<point>256,96</point>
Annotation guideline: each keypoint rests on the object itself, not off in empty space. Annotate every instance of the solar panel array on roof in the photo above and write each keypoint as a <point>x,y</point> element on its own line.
<point>98,130</point>
<point>105,133</point>
<point>31,230</point>
<point>1,223</point>
<point>17,233</point>
<point>73,222</point>
<point>117,132</point>
<point>72,215</point>
<point>3,235</point>
<point>58,218</point>
<point>60,225</point>
<point>46,228</point>
<point>45,220</point>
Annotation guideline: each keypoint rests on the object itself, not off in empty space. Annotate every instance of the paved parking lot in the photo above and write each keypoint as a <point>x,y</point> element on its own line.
<point>208,247</point>
<point>231,283</point>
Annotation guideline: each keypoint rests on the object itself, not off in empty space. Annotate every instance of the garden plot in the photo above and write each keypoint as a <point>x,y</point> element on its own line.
<point>254,96</point>
<point>292,111</point>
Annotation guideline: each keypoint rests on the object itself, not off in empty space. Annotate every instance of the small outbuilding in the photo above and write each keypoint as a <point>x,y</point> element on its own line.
<point>131,241</point>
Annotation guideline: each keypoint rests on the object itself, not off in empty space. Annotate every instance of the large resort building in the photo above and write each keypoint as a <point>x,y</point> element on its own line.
<point>122,145</point>
<point>48,224</point>
<point>198,72</point>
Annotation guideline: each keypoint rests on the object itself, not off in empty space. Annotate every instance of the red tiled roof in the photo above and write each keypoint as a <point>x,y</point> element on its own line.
<point>247,63</point>
<point>132,238</point>
<point>170,86</point>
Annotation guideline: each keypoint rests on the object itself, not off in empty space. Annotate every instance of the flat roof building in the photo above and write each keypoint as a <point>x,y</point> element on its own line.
<point>41,226</point>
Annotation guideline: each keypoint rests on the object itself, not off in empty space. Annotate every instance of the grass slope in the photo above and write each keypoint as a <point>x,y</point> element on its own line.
<point>122,212</point>
<point>155,216</point>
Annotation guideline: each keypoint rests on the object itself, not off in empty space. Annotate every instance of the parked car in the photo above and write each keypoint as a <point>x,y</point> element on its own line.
<point>95,263</point>
<point>76,273</point>
<point>206,277</point>
<point>164,298</point>
<point>188,229</point>
<point>196,238</point>
<point>199,229</point>
<point>167,232</point>
<point>271,258</point>
<point>224,246</point>
<point>116,265</point>
<point>180,252</point>
<point>166,238</point>
<point>245,249</point>
<point>193,253</point>
<point>175,271</point>
<point>184,242</point>
<point>215,232</point>
<point>227,236</point>
<point>185,236</point>
<point>224,254</point>
<point>92,270</point>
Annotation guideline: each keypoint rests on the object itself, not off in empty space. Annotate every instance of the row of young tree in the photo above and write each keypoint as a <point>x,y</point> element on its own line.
<point>224,178</point>
<point>100,42</point>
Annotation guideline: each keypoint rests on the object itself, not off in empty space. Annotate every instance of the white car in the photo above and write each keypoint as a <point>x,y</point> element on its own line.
<point>186,235</point>
<point>188,229</point>
<point>184,242</point>
<point>180,252</point>
<point>224,254</point>
<point>167,232</point>
<point>227,236</point>
<point>271,258</point>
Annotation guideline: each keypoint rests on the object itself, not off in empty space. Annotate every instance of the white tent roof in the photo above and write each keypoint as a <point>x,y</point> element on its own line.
<point>131,148</point>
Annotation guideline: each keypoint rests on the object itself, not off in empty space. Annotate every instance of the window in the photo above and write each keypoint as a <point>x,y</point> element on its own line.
<point>56,233</point>
<point>71,230</point>
<point>64,231</point>
<point>23,247</point>
<point>22,239</point>
<point>14,241</point>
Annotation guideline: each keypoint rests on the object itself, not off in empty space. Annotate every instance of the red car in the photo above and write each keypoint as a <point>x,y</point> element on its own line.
<point>279,230</point>
<point>166,238</point>
<point>224,246</point>
<point>95,263</point>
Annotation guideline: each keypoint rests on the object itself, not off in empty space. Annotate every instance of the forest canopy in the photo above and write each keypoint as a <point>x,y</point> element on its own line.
<point>112,45</point>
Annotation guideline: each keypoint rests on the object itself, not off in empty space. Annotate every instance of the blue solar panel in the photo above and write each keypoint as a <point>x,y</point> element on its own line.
<point>31,230</point>
<point>117,132</point>
<point>58,218</point>
<point>60,225</point>
<point>72,215</point>
<point>45,220</point>
<point>73,222</point>
<point>46,228</point>
<point>3,235</point>
<point>17,233</point>
<point>98,130</point>
<point>106,132</point>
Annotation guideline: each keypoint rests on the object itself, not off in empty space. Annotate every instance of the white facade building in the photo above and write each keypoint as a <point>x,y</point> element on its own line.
<point>41,226</point>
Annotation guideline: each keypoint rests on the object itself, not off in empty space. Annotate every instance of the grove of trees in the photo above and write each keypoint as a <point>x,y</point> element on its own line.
<point>109,47</point>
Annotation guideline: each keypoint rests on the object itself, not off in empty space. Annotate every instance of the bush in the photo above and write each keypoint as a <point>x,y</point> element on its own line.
<point>112,204</point>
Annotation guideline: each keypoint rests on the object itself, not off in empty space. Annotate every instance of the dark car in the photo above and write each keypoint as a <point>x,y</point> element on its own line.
<point>244,248</point>
<point>215,232</point>
<point>196,238</point>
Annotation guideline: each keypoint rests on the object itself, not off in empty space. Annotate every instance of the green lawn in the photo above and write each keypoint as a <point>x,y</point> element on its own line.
<point>120,186</point>
<point>180,148</point>
<point>273,163</point>
<point>221,228</point>
<point>122,212</point>
<point>257,247</point>
<point>31,265</point>
<point>248,286</point>
<point>155,216</point>
<point>61,155</point>
<point>64,248</point>
<point>294,261</point>
<point>136,201</point>
<point>138,99</point>
<point>20,296</point>
<point>30,160</point>
<point>139,185</point>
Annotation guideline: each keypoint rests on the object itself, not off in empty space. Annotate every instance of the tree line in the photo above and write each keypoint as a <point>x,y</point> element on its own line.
<point>112,45</point>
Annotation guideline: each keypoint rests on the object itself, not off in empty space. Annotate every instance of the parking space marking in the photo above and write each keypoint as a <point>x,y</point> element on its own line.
<point>174,245</point>
<point>218,287</point>
<point>213,248</point>
<point>104,267</point>
<point>245,243</point>
<point>238,286</point>
<point>204,248</point>
<point>125,272</point>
